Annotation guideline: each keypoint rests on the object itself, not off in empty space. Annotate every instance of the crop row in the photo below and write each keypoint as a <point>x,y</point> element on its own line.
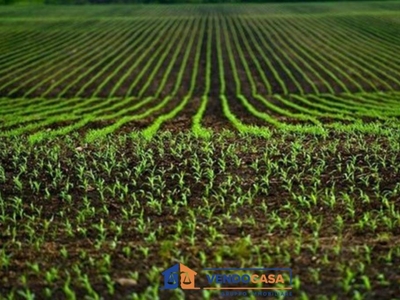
<point>78,219</point>
<point>316,113</point>
<point>297,55</point>
<point>151,11</point>
<point>307,72</point>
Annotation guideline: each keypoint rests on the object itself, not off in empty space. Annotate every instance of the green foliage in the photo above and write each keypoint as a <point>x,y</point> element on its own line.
<point>329,202</point>
<point>132,138</point>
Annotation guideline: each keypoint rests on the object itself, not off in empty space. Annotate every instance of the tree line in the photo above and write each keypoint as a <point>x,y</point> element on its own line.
<point>71,2</point>
<point>181,1</point>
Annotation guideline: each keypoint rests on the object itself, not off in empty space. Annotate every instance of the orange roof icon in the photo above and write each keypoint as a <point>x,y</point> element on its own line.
<point>181,276</point>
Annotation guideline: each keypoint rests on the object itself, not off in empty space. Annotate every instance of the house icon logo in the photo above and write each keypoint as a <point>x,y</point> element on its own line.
<point>179,276</point>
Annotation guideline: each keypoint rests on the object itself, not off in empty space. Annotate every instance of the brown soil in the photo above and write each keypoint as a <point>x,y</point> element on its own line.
<point>56,238</point>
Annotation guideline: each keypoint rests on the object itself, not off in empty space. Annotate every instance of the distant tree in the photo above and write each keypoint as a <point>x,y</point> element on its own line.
<point>72,2</point>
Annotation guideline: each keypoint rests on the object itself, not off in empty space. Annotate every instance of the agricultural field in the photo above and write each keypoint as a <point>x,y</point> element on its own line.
<point>136,137</point>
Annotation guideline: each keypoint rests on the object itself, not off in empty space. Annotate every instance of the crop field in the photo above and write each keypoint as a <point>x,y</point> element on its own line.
<point>249,68</point>
<point>136,137</point>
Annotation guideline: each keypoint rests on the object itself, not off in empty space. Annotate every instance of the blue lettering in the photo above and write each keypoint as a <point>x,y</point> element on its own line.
<point>218,278</point>
<point>245,278</point>
<point>210,278</point>
<point>235,278</point>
